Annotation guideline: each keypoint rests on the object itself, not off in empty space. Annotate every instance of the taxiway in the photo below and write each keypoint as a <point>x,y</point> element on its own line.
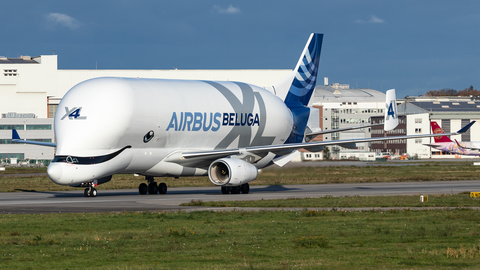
<point>130,200</point>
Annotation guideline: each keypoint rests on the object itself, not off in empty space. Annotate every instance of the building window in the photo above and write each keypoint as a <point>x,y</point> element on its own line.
<point>52,108</point>
<point>418,130</point>
<point>418,140</point>
<point>9,72</point>
<point>418,120</point>
<point>39,127</point>
<point>4,156</point>
<point>466,135</point>
<point>446,125</point>
<point>17,127</point>
<point>9,141</point>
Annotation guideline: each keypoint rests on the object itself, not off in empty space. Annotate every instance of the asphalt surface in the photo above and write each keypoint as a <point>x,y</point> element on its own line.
<point>131,200</point>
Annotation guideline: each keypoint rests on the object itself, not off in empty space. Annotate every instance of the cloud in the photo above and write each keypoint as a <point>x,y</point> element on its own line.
<point>63,20</point>
<point>229,10</point>
<point>372,19</point>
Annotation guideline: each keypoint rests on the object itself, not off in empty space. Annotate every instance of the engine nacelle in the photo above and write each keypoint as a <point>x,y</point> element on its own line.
<point>231,172</point>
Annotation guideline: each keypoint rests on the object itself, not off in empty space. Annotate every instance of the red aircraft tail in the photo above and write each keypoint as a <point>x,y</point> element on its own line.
<point>437,129</point>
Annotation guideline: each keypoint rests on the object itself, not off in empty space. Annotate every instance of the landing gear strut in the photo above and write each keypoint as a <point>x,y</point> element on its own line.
<point>245,189</point>
<point>152,187</point>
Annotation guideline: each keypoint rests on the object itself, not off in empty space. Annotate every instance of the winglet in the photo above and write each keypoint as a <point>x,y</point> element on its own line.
<point>15,135</point>
<point>457,143</point>
<point>465,128</point>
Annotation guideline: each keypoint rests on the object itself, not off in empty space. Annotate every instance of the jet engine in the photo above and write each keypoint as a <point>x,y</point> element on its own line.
<point>231,172</point>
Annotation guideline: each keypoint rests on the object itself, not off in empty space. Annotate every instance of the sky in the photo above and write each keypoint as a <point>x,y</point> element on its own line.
<point>410,45</point>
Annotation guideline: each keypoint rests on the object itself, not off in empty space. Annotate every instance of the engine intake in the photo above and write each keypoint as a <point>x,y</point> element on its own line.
<point>231,172</point>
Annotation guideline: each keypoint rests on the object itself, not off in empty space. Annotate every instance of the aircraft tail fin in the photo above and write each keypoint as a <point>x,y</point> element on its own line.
<point>436,129</point>
<point>298,86</point>
<point>391,115</point>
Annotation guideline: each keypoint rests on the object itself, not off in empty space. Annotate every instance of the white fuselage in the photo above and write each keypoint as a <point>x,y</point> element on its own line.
<point>155,120</point>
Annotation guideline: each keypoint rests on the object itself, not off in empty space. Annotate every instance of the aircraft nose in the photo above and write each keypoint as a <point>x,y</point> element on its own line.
<point>55,171</point>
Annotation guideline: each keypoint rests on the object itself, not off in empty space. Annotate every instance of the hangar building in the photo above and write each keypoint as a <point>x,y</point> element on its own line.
<point>342,107</point>
<point>415,114</point>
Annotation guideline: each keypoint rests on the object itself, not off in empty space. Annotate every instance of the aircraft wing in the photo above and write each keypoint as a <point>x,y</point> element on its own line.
<point>465,147</point>
<point>285,148</point>
<point>310,136</point>
<point>16,139</point>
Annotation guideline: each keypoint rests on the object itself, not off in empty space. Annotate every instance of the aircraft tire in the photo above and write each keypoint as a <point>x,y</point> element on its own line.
<point>86,193</point>
<point>225,190</point>
<point>235,190</point>
<point>152,188</point>
<point>245,188</point>
<point>143,188</point>
<point>162,188</point>
<point>93,192</point>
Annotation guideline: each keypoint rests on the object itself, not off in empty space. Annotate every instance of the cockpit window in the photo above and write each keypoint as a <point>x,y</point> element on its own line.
<point>88,160</point>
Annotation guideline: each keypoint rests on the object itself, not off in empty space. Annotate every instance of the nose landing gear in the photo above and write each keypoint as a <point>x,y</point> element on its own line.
<point>152,187</point>
<point>90,191</point>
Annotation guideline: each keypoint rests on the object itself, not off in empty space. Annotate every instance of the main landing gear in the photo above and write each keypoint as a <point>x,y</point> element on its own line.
<point>90,192</point>
<point>152,187</point>
<point>245,189</point>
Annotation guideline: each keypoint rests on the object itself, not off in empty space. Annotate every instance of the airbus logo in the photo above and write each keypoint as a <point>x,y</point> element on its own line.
<point>73,114</point>
<point>196,121</point>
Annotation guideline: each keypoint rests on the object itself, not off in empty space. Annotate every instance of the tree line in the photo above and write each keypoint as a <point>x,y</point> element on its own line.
<point>452,92</point>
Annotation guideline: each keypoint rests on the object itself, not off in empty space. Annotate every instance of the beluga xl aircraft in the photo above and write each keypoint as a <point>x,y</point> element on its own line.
<point>177,128</point>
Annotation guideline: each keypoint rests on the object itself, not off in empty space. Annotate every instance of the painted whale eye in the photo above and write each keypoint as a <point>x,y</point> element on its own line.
<point>148,136</point>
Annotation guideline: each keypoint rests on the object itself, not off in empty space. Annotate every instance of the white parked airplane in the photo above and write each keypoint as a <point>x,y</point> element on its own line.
<point>177,128</point>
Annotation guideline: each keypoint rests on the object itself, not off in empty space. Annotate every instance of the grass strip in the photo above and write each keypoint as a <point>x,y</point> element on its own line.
<point>437,239</point>
<point>443,200</point>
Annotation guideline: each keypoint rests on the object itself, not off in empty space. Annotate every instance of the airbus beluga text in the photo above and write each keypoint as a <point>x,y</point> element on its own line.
<point>177,128</point>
